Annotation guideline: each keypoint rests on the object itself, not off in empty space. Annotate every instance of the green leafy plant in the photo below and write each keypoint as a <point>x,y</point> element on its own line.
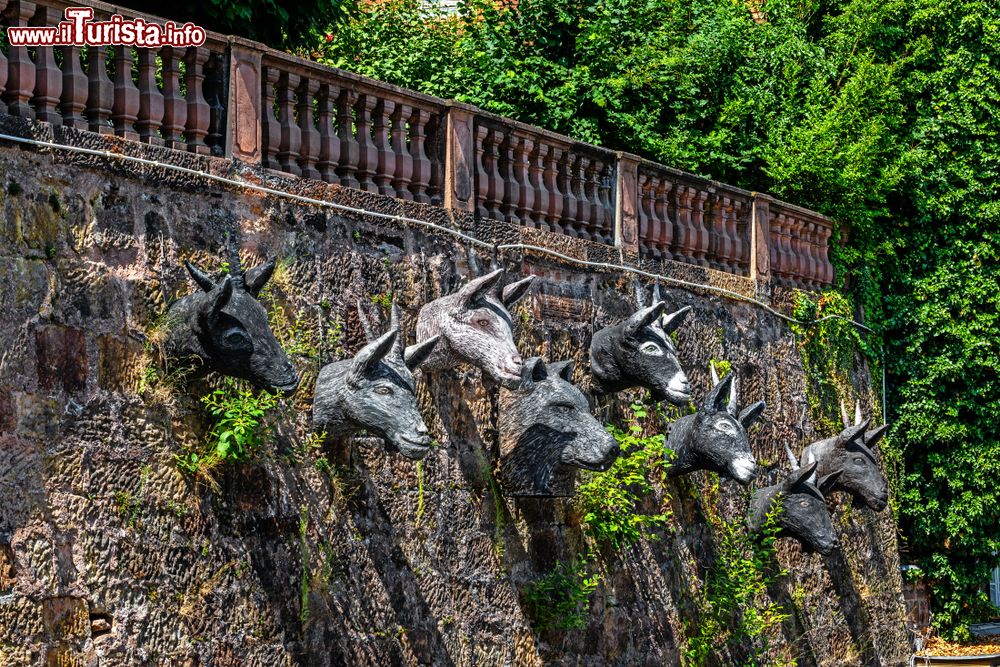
<point>560,600</point>
<point>609,502</point>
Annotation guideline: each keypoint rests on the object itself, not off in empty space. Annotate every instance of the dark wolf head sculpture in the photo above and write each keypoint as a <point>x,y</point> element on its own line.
<point>225,327</point>
<point>715,437</point>
<point>804,515</point>
<point>639,352</point>
<point>852,451</point>
<point>375,391</point>
<point>547,433</point>
<point>475,327</point>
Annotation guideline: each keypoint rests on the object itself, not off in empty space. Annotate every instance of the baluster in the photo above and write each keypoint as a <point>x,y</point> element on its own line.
<point>367,151</point>
<point>150,99</point>
<point>807,262</point>
<point>432,153</point>
<point>308,134</point>
<point>482,172</point>
<point>583,212</point>
<point>713,225</point>
<point>665,238</point>
<point>536,173</point>
<point>291,135</point>
<point>73,98</point>
<point>174,106</point>
<point>349,149</point>
<point>797,265</point>
<point>270,127</point>
<point>20,70</point>
<point>591,193</point>
<point>816,269</point>
<point>604,179</point>
<point>525,198</point>
<point>783,255</point>
<point>421,163</point>
<point>826,268</point>
<point>727,232</point>
<point>507,183</point>
<point>644,220</point>
<point>741,245</point>
<point>125,109</point>
<point>550,175</point>
<point>494,195</point>
<point>198,112</point>
<point>654,216</point>
<point>100,91</point>
<point>568,169</point>
<point>685,228</point>
<point>403,170</point>
<point>48,78</point>
<point>329,144</point>
<point>386,160</point>
<point>530,188</point>
<point>700,248</point>
<point>3,66</point>
<point>215,96</point>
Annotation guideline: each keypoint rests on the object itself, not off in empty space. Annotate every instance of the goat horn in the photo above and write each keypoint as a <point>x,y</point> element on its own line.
<point>235,267</point>
<point>639,298</point>
<point>843,414</point>
<point>733,408</point>
<point>715,374</point>
<point>857,412</point>
<point>791,457</point>
<point>365,324</point>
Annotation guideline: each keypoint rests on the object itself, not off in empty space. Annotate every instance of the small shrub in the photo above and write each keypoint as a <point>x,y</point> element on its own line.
<point>560,600</point>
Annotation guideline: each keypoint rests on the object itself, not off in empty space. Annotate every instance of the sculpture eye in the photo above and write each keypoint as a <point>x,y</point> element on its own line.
<point>803,503</point>
<point>725,426</point>
<point>564,408</point>
<point>235,338</point>
<point>383,390</point>
<point>858,461</point>
<point>481,322</point>
<point>651,348</point>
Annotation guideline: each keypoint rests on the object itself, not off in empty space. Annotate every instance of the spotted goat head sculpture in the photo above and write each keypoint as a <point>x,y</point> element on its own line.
<point>475,327</point>
<point>225,327</point>
<point>547,433</point>
<point>639,352</point>
<point>803,513</point>
<point>375,391</point>
<point>715,437</point>
<point>852,451</point>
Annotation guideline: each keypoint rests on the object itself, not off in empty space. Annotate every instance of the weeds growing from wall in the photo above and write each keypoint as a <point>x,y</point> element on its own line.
<point>560,600</point>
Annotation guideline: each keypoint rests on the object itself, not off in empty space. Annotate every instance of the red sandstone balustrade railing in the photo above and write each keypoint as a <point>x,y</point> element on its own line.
<point>324,123</point>
<point>236,98</point>
<point>114,90</point>
<point>693,220</point>
<point>541,179</point>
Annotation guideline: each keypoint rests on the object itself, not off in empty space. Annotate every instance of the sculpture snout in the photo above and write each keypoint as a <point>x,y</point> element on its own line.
<point>743,469</point>
<point>679,388</point>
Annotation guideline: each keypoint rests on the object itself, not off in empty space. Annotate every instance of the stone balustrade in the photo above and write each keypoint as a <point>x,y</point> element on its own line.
<point>238,99</point>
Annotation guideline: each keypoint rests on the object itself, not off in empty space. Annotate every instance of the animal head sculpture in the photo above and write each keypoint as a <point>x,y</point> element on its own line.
<point>475,327</point>
<point>226,328</point>
<point>547,433</point>
<point>852,450</point>
<point>639,352</point>
<point>375,391</point>
<point>715,437</point>
<point>803,515</point>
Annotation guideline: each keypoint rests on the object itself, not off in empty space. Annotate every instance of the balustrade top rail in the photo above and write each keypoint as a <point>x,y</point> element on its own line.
<point>236,98</point>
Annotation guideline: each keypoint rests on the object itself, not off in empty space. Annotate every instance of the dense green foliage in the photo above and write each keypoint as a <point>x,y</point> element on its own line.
<point>560,600</point>
<point>882,114</point>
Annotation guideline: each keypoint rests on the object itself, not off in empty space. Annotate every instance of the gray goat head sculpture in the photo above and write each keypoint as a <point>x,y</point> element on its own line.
<point>547,433</point>
<point>475,327</point>
<point>715,437</point>
<point>375,391</point>
<point>226,328</point>
<point>852,451</point>
<point>803,515</point>
<point>639,352</point>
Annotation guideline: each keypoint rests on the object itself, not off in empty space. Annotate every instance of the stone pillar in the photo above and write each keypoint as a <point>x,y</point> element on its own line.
<point>460,157</point>
<point>760,241</point>
<point>627,204</point>
<point>243,140</point>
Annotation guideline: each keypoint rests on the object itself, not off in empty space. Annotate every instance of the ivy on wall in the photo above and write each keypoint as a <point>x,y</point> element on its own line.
<point>881,114</point>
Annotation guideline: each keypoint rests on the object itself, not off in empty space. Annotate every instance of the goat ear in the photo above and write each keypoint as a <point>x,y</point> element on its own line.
<point>370,355</point>
<point>257,277</point>
<point>852,433</point>
<point>752,414</point>
<point>478,288</point>
<point>204,281</point>
<point>643,317</point>
<point>533,370</point>
<point>225,293</point>
<point>800,476</point>
<point>718,397</point>
<point>563,369</point>
<point>417,354</point>
<point>872,437</point>
<point>670,322</point>
<point>827,481</point>
<point>515,291</point>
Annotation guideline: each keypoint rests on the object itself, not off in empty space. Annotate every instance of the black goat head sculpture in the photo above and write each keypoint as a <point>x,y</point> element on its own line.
<point>475,327</point>
<point>547,433</point>
<point>639,352</point>
<point>852,451</point>
<point>715,437</point>
<point>225,327</point>
<point>803,513</point>
<point>375,391</point>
